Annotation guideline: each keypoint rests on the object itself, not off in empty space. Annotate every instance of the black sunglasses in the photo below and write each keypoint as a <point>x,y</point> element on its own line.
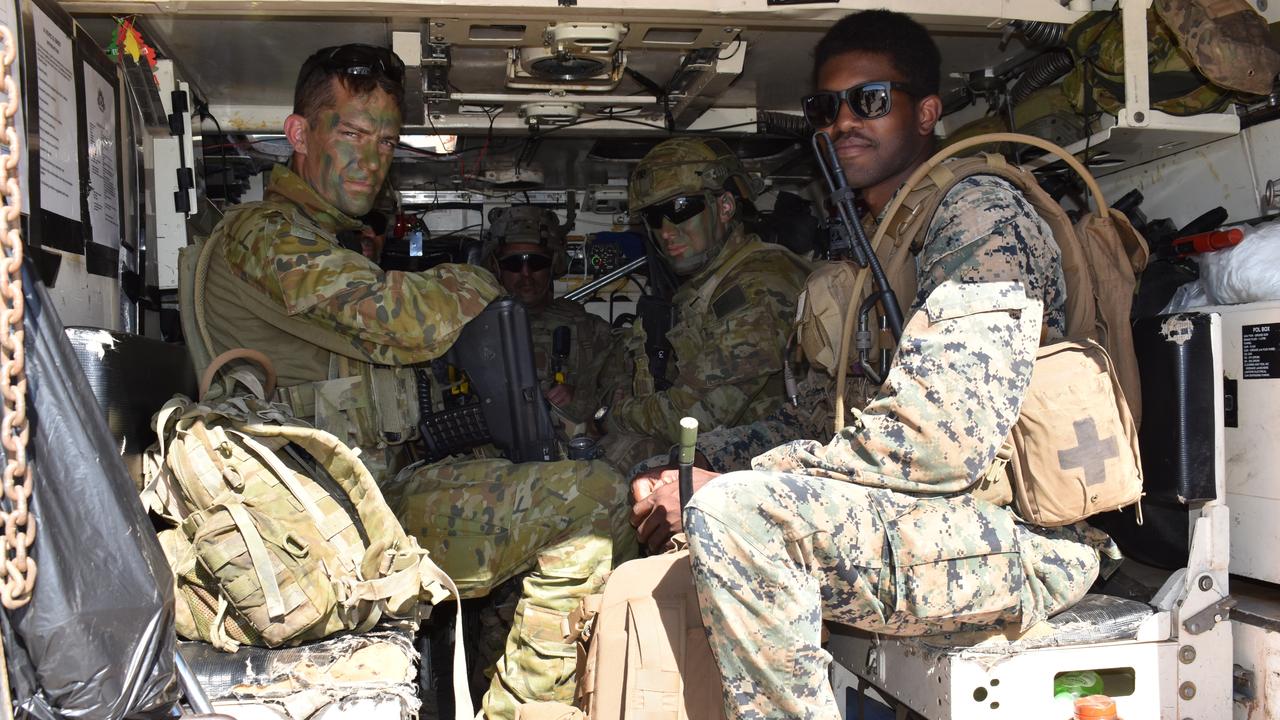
<point>677,210</point>
<point>361,59</point>
<point>519,261</point>
<point>869,101</point>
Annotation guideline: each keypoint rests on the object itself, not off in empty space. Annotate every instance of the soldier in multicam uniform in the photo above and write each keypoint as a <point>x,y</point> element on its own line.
<point>340,332</point>
<point>734,307</point>
<point>875,528</point>
<point>529,254</point>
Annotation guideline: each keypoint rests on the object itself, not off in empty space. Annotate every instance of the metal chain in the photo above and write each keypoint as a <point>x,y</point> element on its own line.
<point>17,568</point>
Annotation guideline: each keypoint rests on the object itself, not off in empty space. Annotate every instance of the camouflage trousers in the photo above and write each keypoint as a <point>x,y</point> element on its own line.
<point>774,555</point>
<point>485,521</point>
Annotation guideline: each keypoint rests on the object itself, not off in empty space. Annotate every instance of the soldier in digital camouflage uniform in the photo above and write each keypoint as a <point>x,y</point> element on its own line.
<point>528,255</point>
<point>874,528</point>
<point>734,307</point>
<point>340,332</point>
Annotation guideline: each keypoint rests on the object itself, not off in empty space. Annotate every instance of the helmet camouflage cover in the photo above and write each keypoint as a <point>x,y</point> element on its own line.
<point>533,225</point>
<point>686,166</point>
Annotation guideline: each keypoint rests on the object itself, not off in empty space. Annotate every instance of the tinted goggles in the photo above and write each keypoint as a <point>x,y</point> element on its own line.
<point>360,59</point>
<point>519,261</point>
<point>677,210</point>
<point>869,101</point>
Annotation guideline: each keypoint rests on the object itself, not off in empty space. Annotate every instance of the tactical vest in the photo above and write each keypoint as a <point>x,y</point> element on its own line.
<point>582,365</point>
<point>369,406</point>
<point>706,293</point>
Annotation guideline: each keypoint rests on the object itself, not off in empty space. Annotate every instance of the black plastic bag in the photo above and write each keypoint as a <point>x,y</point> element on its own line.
<point>97,639</point>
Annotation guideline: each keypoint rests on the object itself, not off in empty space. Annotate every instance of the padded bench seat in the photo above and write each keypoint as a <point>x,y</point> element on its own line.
<point>371,675</point>
<point>1095,619</point>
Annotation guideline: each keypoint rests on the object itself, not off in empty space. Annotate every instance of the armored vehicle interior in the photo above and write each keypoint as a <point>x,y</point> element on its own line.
<point>553,104</point>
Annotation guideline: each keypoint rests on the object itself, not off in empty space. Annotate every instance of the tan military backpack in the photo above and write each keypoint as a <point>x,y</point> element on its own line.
<point>278,534</point>
<point>642,652</point>
<point>1101,257</point>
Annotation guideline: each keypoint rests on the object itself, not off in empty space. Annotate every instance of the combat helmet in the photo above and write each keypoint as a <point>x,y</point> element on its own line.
<point>687,166</point>
<point>528,224</point>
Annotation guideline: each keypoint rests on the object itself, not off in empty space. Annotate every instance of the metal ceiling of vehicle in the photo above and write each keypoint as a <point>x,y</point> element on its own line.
<point>244,66</point>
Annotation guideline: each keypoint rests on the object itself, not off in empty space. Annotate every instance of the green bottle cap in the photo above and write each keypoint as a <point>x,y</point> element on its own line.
<point>1077,684</point>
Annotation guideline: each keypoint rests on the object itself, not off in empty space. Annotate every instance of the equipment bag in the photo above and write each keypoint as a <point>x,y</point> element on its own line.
<point>278,534</point>
<point>645,654</point>
<point>642,652</point>
<point>1075,445</point>
<point>1227,40</point>
<point>1201,53</point>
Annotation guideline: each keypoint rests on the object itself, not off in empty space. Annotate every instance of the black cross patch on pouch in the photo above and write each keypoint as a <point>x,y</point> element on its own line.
<point>1091,454</point>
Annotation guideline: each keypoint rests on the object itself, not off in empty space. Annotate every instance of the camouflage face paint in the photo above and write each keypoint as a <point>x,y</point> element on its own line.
<point>692,243</point>
<point>349,149</point>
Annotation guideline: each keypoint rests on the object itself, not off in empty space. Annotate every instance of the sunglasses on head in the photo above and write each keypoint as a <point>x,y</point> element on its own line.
<point>360,59</point>
<point>677,210</point>
<point>869,100</point>
<point>519,261</point>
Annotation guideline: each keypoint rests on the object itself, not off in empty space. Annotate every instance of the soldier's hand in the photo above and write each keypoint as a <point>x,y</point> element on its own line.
<point>560,395</point>
<point>655,512</point>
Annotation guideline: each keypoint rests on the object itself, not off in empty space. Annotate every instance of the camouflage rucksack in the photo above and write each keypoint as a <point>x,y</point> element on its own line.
<point>278,533</point>
<point>1201,53</point>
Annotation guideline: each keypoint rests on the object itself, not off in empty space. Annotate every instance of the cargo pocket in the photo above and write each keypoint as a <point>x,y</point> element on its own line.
<point>540,661</point>
<point>343,409</point>
<point>954,562</point>
<point>280,587</point>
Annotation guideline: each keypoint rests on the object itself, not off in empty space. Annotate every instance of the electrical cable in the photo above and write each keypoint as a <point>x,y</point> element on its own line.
<point>425,153</point>
<point>453,233</point>
<point>202,111</point>
<point>226,167</point>
<point>654,126</point>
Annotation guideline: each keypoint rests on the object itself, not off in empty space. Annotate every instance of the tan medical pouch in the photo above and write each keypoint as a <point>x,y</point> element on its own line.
<point>1075,445</point>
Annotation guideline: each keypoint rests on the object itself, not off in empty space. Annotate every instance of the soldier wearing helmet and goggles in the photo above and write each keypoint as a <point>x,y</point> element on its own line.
<point>733,309</point>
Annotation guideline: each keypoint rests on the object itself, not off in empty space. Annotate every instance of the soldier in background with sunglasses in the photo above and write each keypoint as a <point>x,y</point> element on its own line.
<point>341,331</point>
<point>876,527</point>
<point>529,254</point>
<point>733,309</point>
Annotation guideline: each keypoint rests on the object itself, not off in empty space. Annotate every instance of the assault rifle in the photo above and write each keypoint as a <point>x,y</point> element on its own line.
<point>853,242</point>
<point>494,396</point>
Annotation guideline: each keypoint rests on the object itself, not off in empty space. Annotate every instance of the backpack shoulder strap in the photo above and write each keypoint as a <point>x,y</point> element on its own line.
<point>923,191</point>
<point>412,571</point>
